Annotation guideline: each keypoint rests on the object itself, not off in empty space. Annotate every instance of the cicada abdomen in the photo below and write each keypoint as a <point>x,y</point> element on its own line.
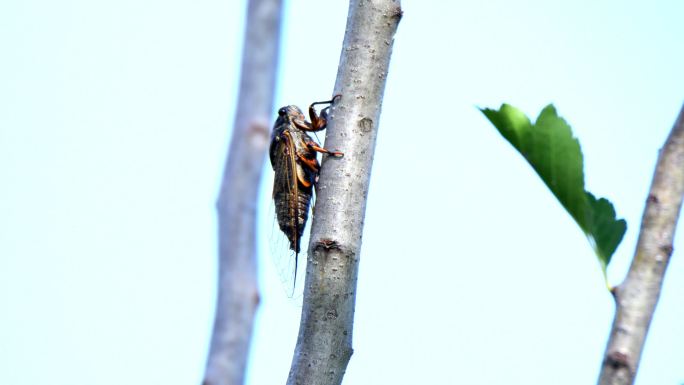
<point>293,157</point>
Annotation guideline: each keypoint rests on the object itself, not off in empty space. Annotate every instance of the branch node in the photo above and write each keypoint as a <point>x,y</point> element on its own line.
<point>327,245</point>
<point>331,314</point>
<point>618,360</point>
<point>614,292</point>
<point>366,125</point>
<point>667,249</point>
<point>397,13</point>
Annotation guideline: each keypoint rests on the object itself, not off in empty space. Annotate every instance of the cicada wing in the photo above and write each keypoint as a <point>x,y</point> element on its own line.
<point>283,258</point>
<point>286,233</point>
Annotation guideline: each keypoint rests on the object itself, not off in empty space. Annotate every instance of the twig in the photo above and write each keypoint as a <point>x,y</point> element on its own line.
<point>637,296</point>
<point>324,343</point>
<point>238,295</point>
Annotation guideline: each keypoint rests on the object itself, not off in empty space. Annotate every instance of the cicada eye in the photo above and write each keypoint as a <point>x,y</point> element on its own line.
<point>282,112</point>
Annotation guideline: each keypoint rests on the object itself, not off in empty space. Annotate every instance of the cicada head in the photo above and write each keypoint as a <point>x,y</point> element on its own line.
<point>286,115</point>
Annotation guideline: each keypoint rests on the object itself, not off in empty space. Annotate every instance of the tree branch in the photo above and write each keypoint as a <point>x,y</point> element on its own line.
<point>637,296</point>
<point>238,295</point>
<point>324,343</point>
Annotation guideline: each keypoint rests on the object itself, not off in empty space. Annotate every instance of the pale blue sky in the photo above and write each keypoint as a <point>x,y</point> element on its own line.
<point>114,122</point>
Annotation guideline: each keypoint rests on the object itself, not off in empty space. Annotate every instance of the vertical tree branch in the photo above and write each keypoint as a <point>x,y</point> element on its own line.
<point>324,343</point>
<point>238,295</point>
<point>637,296</point>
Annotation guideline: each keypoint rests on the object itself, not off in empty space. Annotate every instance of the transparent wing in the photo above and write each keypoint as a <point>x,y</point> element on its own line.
<point>283,258</point>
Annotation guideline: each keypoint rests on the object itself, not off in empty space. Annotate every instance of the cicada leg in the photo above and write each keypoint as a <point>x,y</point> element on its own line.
<point>318,121</point>
<point>309,162</point>
<point>317,148</point>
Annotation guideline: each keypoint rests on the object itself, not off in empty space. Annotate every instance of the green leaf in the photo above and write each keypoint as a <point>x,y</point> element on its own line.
<point>604,230</point>
<point>552,151</point>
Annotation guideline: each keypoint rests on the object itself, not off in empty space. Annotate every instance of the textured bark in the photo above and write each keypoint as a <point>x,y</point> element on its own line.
<point>238,295</point>
<point>324,343</point>
<point>637,296</point>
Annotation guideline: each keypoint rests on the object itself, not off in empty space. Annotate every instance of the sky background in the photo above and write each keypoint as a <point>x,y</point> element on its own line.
<point>115,118</point>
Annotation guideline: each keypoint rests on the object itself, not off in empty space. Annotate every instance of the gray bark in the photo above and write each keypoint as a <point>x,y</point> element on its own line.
<point>637,296</point>
<point>238,295</point>
<point>324,346</point>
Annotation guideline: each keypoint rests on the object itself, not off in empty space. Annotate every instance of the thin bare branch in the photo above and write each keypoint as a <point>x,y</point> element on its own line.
<point>637,296</point>
<point>324,343</point>
<point>238,295</point>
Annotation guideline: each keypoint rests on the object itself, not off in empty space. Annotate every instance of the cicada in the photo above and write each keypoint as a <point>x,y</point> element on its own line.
<point>293,157</point>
